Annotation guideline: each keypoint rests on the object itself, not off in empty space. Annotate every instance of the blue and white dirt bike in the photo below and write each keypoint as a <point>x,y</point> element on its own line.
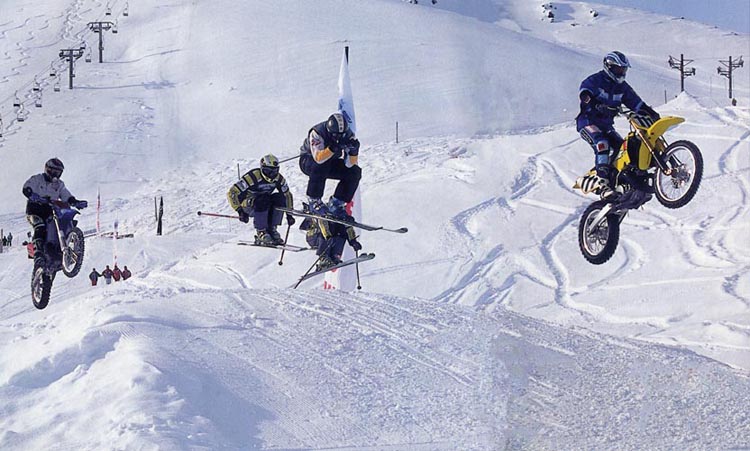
<point>64,248</point>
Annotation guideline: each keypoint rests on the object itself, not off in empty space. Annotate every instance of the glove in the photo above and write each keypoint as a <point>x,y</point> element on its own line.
<point>244,217</point>
<point>646,110</point>
<point>355,245</point>
<point>353,147</point>
<point>603,108</point>
<point>79,204</point>
<point>290,219</point>
<point>36,198</point>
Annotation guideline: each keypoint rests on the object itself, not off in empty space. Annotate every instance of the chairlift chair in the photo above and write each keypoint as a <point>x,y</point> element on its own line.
<point>125,11</point>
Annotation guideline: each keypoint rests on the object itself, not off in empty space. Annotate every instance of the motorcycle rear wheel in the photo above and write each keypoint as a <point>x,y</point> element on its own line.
<point>598,244</point>
<point>72,259</point>
<point>679,187</point>
<point>41,286</point>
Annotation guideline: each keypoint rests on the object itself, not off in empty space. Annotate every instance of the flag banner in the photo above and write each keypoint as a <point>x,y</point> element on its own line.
<point>346,278</point>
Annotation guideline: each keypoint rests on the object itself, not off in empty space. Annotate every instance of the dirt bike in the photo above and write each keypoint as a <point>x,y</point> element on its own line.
<point>645,164</point>
<point>64,248</point>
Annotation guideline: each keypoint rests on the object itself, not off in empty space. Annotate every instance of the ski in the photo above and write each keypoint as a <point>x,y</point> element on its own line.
<point>358,225</point>
<point>360,259</point>
<point>286,247</point>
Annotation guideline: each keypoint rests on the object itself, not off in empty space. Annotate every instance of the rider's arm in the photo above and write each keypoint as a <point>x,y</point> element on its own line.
<point>318,148</point>
<point>630,99</point>
<point>284,189</point>
<point>352,148</point>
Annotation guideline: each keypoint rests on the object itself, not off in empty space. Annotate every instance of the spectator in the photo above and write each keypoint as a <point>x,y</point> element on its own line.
<point>94,277</point>
<point>5,241</point>
<point>116,274</point>
<point>126,273</point>
<point>107,274</point>
<point>10,239</point>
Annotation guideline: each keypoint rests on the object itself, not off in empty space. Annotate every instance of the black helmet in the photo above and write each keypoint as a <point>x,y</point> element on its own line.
<point>336,124</point>
<point>269,167</point>
<point>616,66</point>
<point>54,168</point>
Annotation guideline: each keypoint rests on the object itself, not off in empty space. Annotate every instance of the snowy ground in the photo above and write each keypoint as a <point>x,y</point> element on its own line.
<point>482,328</point>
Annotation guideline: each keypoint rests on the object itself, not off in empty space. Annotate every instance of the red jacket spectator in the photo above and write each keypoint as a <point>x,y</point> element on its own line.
<point>126,273</point>
<point>117,274</point>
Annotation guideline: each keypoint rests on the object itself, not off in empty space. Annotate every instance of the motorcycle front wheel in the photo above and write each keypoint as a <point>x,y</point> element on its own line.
<point>72,258</point>
<point>598,243</point>
<point>685,164</point>
<point>41,286</point>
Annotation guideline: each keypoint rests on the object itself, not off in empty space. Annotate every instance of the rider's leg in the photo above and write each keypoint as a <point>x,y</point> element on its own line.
<point>40,236</point>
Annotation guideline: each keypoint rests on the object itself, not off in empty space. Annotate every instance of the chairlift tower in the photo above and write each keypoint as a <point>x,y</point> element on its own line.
<point>100,28</point>
<point>70,55</point>
<point>680,65</point>
<point>730,66</point>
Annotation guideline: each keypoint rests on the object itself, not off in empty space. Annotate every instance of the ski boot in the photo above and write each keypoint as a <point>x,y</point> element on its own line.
<point>326,262</point>
<point>276,236</point>
<point>317,206</point>
<point>336,208</point>
<point>263,238</point>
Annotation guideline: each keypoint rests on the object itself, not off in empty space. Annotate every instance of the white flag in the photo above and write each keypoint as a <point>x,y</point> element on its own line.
<point>346,278</point>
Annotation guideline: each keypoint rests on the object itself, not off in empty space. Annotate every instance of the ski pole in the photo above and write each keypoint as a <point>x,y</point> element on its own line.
<point>359,284</point>
<point>286,237</point>
<point>308,271</point>
<point>313,265</point>
<point>216,215</point>
<point>289,159</point>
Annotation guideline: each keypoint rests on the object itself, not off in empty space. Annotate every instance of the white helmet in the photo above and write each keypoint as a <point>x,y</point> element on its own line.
<point>616,65</point>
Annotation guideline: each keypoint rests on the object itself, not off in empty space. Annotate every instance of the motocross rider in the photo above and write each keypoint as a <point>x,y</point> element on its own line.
<point>40,189</point>
<point>601,95</point>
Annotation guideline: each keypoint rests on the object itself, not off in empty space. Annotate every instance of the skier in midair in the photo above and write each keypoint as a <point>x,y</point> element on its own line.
<point>258,193</point>
<point>601,95</point>
<point>330,151</point>
<point>329,238</point>
<point>40,189</point>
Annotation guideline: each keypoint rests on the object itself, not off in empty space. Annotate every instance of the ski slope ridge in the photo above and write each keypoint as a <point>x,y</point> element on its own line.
<point>275,369</point>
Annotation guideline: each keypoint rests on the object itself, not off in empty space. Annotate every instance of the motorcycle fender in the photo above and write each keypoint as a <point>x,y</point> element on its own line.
<point>600,217</point>
<point>661,126</point>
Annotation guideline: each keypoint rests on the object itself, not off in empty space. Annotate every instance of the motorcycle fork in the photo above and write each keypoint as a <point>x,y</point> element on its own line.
<point>606,210</point>
<point>655,154</point>
<point>63,248</point>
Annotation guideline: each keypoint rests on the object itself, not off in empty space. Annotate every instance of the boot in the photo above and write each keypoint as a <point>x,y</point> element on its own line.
<point>277,239</point>
<point>317,206</point>
<point>263,238</point>
<point>39,257</point>
<point>336,208</point>
<point>326,262</point>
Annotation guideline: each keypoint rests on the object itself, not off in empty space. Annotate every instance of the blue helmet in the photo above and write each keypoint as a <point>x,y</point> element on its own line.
<point>616,65</point>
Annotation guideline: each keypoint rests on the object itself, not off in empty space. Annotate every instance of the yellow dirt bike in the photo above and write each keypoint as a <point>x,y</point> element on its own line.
<point>646,164</point>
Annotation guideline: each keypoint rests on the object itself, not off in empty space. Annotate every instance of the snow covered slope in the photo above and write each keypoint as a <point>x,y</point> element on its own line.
<point>482,328</point>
